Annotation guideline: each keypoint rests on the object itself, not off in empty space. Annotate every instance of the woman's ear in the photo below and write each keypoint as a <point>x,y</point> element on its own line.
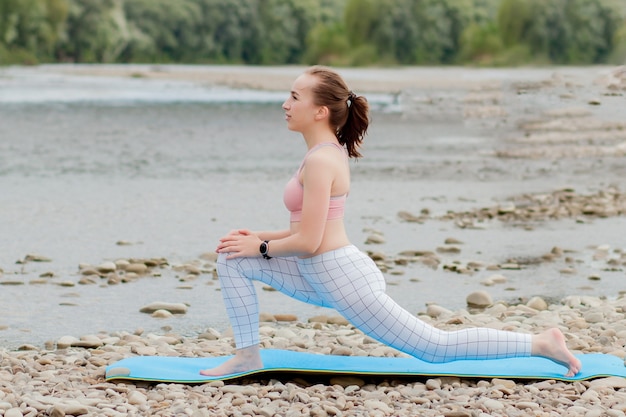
<point>322,113</point>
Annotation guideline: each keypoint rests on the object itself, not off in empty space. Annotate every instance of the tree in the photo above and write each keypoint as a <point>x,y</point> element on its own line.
<point>96,31</point>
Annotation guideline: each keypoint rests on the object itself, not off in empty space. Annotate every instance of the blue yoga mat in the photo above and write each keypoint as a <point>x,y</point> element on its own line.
<point>186,370</point>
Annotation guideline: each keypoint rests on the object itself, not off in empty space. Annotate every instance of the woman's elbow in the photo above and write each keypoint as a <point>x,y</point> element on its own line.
<point>309,246</point>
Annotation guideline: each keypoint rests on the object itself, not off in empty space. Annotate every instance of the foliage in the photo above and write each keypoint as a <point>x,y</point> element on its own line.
<point>563,31</point>
<point>480,44</point>
<point>333,32</point>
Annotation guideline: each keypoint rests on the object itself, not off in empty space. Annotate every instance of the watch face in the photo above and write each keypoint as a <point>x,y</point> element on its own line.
<point>263,248</point>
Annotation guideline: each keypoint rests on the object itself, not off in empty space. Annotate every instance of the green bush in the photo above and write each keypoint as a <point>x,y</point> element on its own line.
<point>363,55</point>
<point>333,32</point>
<point>327,44</point>
<point>618,55</point>
<point>17,56</point>
<point>480,44</point>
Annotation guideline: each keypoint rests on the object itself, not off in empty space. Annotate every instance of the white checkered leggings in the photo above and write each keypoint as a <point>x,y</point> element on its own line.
<point>347,280</point>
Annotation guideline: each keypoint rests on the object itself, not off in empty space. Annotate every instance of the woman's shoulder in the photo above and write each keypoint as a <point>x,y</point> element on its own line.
<point>326,153</point>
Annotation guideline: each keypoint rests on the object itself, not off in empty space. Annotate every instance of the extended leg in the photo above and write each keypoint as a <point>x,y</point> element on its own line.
<point>351,282</point>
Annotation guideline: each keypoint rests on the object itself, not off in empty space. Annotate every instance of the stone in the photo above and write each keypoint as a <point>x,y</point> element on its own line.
<point>13,412</point>
<point>89,341</point>
<point>285,317</point>
<point>375,239</point>
<point>608,382</point>
<point>137,398</point>
<point>493,405</point>
<point>479,299</point>
<point>161,314</point>
<point>537,303</point>
<point>137,268</point>
<point>106,267</point>
<point>66,341</point>
<point>174,308</point>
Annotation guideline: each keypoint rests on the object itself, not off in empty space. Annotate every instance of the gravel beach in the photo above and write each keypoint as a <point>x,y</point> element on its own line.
<point>550,127</point>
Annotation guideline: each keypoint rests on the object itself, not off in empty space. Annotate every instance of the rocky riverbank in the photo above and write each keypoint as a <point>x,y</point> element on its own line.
<point>66,377</point>
<point>545,124</point>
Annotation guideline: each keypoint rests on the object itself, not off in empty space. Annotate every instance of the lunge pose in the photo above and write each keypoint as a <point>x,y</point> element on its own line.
<point>313,260</point>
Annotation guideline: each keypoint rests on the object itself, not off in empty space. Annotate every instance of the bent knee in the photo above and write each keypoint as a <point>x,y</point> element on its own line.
<point>223,265</point>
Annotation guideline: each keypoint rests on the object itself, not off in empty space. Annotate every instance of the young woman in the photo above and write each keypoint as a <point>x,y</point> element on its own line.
<point>313,261</point>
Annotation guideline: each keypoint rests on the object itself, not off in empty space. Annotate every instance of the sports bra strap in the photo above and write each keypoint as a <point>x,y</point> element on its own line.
<point>316,147</point>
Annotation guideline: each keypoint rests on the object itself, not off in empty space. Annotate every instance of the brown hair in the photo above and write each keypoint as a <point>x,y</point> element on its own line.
<point>348,112</point>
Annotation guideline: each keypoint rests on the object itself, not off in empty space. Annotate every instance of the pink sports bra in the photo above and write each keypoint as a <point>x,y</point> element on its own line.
<point>294,193</point>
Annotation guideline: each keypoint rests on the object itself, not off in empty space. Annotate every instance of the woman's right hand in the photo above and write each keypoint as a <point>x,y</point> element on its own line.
<point>229,237</point>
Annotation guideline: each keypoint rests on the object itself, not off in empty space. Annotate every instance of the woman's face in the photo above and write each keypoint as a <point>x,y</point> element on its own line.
<point>300,110</point>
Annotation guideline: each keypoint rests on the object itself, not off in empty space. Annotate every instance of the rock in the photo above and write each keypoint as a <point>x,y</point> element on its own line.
<point>89,342</point>
<point>498,278</point>
<point>174,308</point>
<point>67,341</point>
<point>338,320</point>
<point>375,239</point>
<point>434,311</point>
<point>524,405</point>
<point>137,398</point>
<point>89,271</point>
<point>266,317</point>
<point>285,317</point>
<point>378,405</point>
<point>448,249</point>
<point>10,282</point>
<point>57,411</point>
<point>36,258</point>
<point>161,314</point>
<point>479,299</point>
<point>493,405</point>
<point>433,384</point>
<point>106,267</point>
<point>409,217</point>
<point>537,303</point>
<point>75,408</point>
<point>452,241</point>
<point>137,268</point>
<point>609,382</point>
<point>13,412</point>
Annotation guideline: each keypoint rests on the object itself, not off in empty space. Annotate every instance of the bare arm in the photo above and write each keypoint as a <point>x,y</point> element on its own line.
<point>318,177</point>
<point>273,234</point>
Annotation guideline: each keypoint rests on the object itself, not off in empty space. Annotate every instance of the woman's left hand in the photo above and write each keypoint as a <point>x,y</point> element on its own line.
<point>240,245</point>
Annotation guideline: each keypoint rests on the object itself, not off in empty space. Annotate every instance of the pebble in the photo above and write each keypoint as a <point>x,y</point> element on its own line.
<point>173,308</point>
<point>479,299</point>
<point>537,303</point>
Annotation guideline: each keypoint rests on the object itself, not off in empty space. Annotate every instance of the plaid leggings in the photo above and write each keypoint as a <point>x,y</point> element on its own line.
<point>347,280</point>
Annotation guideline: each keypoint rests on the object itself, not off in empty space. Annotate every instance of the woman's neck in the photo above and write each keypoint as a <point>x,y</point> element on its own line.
<point>314,138</point>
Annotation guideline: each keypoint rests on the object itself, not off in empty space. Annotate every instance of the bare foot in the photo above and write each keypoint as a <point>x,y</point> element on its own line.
<point>551,344</point>
<point>246,359</point>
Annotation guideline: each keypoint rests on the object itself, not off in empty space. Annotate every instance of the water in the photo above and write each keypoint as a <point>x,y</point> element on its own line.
<point>170,166</point>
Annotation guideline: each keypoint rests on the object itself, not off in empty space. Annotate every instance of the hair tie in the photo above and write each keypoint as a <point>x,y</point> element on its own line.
<point>351,98</point>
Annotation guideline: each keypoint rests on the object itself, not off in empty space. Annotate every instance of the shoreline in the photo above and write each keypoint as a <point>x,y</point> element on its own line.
<point>372,80</point>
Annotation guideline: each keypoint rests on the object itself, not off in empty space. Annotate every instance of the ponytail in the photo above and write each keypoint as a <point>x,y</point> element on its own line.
<point>351,133</point>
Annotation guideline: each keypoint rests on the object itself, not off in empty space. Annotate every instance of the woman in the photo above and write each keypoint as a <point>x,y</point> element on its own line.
<point>313,260</point>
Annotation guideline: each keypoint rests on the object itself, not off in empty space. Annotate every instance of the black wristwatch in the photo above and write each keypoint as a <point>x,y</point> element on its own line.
<point>264,248</point>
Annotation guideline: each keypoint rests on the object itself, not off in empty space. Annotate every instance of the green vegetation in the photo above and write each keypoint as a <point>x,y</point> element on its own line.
<point>332,32</point>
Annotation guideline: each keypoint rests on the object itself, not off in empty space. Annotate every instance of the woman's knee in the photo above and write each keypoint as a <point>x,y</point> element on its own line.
<point>224,265</point>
